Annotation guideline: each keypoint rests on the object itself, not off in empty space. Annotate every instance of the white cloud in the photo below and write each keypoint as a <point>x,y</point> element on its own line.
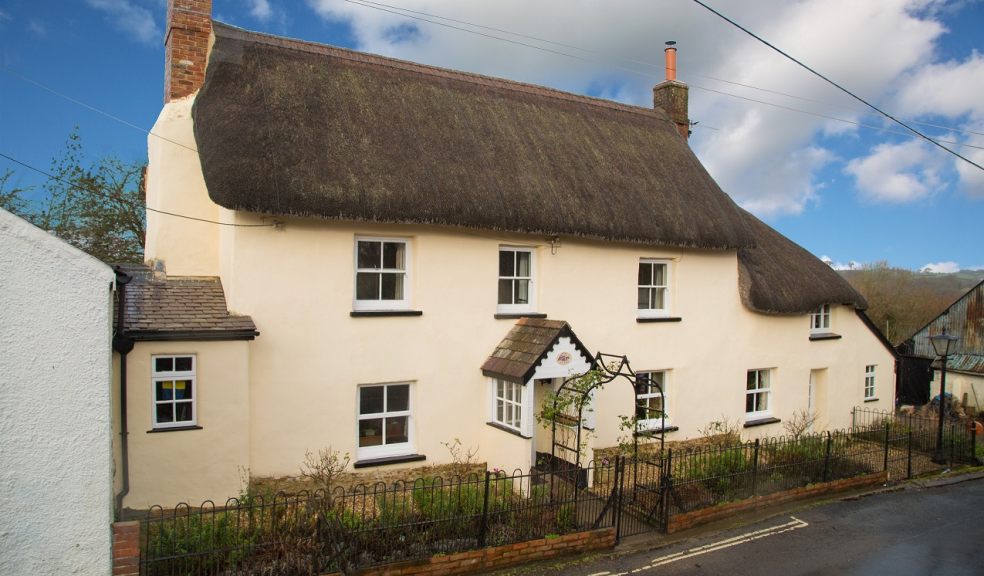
<point>135,21</point>
<point>260,9</point>
<point>37,28</point>
<point>852,265</point>
<point>4,17</point>
<point>948,267</point>
<point>897,173</point>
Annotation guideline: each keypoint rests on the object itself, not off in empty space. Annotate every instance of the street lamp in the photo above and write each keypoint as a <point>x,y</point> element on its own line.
<point>941,346</point>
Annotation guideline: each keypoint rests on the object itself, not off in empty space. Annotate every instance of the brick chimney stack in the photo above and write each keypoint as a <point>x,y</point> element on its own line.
<point>189,26</point>
<point>671,95</point>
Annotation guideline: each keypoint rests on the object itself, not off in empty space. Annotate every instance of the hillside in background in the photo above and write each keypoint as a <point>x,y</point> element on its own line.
<point>901,301</point>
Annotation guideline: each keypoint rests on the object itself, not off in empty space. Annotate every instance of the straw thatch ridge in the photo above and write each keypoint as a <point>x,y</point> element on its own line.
<point>778,276</point>
<point>294,128</point>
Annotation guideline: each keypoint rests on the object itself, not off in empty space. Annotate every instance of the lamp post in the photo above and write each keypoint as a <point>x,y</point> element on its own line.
<point>941,346</point>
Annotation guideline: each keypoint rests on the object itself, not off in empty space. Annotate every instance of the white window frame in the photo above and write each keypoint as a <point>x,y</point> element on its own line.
<point>165,375</point>
<point>820,320</point>
<point>517,308</point>
<point>667,288</point>
<point>514,397</point>
<point>385,450</point>
<point>655,423</point>
<point>759,390</point>
<point>869,381</point>
<point>379,304</point>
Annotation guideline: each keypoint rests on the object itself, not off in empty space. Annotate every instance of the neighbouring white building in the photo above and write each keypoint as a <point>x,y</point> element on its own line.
<point>56,466</point>
<point>396,255</point>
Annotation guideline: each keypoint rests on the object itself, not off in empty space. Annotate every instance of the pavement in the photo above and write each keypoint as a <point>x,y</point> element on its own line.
<point>655,542</point>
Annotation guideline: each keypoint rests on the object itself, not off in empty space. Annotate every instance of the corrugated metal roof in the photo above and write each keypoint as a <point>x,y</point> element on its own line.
<point>970,363</point>
<point>964,319</point>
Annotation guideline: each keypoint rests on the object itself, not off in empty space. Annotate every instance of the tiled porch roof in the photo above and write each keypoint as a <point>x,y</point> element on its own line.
<point>516,357</point>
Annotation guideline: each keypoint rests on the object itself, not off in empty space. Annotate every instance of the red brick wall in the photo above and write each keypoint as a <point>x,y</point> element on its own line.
<point>189,25</point>
<point>501,556</point>
<point>126,549</point>
<point>705,515</point>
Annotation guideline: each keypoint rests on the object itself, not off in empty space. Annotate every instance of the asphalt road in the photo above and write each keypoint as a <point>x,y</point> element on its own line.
<point>917,531</point>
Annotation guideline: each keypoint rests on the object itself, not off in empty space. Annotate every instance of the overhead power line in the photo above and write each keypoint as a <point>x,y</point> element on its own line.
<point>838,86</point>
<point>76,186</point>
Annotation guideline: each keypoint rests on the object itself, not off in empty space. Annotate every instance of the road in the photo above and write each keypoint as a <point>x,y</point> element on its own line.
<point>916,531</point>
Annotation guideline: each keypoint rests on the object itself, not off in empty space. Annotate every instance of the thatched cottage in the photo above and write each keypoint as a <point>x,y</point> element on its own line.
<point>390,256</point>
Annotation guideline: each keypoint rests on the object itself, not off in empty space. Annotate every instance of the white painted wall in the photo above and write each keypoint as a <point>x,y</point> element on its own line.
<point>56,465</point>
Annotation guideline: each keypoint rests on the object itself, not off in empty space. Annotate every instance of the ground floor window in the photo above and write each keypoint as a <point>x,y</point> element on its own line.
<point>758,393</point>
<point>173,379</point>
<point>384,420</point>
<point>651,400</point>
<point>508,404</point>
<point>869,381</point>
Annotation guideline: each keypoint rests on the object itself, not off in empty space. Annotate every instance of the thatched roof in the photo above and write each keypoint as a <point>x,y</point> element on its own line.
<point>296,128</point>
<point>777,276</point>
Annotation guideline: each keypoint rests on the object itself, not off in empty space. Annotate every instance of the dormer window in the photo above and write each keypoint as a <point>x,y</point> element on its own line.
<point>820,320</point>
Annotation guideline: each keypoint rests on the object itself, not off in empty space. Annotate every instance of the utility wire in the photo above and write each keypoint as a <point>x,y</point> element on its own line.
<point>104,195</point>
<point>650,65</point>
<point>839,87</point>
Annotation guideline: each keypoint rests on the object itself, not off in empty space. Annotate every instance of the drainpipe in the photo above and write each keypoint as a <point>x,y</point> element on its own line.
<point>123,345</point>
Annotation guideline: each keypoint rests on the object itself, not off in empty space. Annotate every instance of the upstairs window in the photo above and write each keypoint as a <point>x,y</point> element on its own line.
<point>654,288</point>
<point>651,401</point>
<point>758,394</point>
<point>381,266</point>
<point>173,379</point>
<point>869,382</point>
<point>515,280</point>
<point>820,320</point>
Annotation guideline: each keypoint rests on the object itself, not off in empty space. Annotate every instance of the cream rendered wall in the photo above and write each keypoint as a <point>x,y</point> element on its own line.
<point>56,502</point>
<point>175,184</point>
<point>960,384</point>
<point>190,465</point>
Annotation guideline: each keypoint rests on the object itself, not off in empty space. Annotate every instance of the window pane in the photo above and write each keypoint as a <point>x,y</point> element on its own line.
<point>659,298</point>
<point>659,274</point>
<point>183,412</point>
<point>645,274</point>
<point>763,401</point>
<point>165,413</point>
<point>367,286</point>
<point>371,400</point>
<point>182,390</point>
<point>393,255</point>
<point>644,298</point>
<point>506,267</point>
<point>749,402</point>
<point>500,386</point>
<point>397,398</point>
<point>750,384</point>
<point>165,390</point>
<point>392,286</point>
<point>763,378</point>
<point>369,256</point>
<point>505,291</point>
<point>396,430</point>
<point>371,432</point>
<point>523,264</point>
<point>163,364</point>
<point>498,411</point>
<point>522,292</point>
<point>182,363</point>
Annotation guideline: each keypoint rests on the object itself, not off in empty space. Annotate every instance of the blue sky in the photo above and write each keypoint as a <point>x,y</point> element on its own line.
<point>845,192</point>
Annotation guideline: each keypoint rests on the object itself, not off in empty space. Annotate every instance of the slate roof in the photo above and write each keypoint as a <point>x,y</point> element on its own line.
<point>516,357</point>
<point>180,308</point>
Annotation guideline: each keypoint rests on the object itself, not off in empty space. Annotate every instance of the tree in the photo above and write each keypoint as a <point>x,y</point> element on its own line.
<point>12,200</point>
<point>97,207</point>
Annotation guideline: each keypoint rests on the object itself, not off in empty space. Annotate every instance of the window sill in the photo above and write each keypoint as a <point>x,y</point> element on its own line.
<point>871,400</point>
<point>508,430</point>
<point>826,336</point>
<point>370,462</point>
<point>644,319</point>
<point>762,422</point>
<point>644,433</point>
<point>175,429</point>
<point>518,315</point>
<point>383,313</point>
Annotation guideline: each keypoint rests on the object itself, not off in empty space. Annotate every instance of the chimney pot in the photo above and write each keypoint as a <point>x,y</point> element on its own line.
<point>671,65</point>
<point>671,94</point>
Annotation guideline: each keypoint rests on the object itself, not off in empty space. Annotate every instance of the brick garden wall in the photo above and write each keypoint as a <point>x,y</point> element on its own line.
<point>703,516</point>
<point>126,549</point>
<point>501,556</point>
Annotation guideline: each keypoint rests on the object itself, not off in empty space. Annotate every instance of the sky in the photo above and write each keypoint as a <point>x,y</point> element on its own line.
<point>844,182</point>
